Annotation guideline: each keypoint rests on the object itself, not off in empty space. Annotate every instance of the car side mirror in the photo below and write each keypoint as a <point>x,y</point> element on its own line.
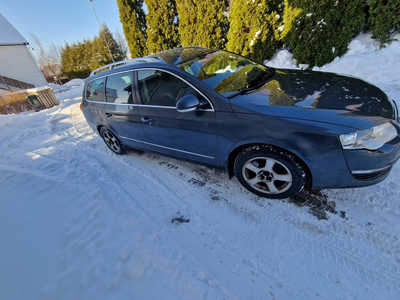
<point>187,103</point>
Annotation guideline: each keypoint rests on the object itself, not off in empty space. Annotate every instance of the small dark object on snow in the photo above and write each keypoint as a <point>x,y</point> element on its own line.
<point>180,220</point>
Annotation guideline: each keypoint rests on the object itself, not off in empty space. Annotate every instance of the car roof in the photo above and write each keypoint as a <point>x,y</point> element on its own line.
<point>169,57</point>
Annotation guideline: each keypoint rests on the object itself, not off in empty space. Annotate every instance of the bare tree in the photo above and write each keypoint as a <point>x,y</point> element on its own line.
<point>55,52</point>
<point>120,38</point>
<point>48,57</point>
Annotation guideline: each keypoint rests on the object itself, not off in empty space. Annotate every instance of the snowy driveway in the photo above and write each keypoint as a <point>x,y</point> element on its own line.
<point>77,222</point>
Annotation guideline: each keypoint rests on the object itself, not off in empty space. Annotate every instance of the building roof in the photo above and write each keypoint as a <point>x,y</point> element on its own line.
<point>9,35</point>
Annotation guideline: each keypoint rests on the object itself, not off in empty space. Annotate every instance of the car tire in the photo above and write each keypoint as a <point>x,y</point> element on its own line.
<point>112,141</point>
<point>270,173</point>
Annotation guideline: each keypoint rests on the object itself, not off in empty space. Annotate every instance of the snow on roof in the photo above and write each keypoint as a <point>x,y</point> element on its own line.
<point>9,35</point>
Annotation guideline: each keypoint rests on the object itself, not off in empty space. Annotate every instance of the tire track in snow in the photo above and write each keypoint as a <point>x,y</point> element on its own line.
<point>190,249</point>
<point>333,250</point>
<point>382,270</point>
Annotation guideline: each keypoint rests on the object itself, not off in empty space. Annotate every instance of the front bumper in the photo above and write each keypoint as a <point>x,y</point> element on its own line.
<point>373,166</point>
<point>365,167</point>
<point>367,175</point>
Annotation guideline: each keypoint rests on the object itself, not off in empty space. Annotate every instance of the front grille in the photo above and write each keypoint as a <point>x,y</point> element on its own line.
<point>372,175</point>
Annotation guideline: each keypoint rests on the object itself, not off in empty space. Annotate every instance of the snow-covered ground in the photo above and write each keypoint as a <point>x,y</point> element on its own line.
<point>78,222</point>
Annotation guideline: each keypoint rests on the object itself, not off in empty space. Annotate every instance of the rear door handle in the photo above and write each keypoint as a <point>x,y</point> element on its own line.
<point>147,120</point>
<point>107,115</point>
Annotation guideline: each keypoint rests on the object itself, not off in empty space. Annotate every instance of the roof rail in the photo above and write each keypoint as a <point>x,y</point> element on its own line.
<point>123,62</point>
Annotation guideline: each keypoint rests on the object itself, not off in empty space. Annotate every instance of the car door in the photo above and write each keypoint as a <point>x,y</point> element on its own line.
<point>121,112</point>
<point>188,135</point>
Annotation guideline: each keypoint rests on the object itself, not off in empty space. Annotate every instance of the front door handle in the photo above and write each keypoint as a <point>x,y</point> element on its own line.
<point>147,120</point>
<point>108,115</point>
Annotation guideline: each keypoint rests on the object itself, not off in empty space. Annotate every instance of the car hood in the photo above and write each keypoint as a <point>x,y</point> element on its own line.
<point>318,96</point>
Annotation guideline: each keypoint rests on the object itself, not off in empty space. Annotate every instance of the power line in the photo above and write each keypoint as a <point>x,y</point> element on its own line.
<point>101,31</point>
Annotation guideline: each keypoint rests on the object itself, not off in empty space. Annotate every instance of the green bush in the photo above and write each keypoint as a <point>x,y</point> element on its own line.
<point>318,31</point>
<point>384,19</point>
<point>255,28</point>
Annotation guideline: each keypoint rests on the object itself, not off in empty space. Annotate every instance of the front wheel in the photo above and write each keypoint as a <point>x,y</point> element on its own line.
<point>269,173</point>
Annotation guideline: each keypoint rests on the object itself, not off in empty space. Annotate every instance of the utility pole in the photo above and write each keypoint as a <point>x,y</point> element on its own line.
<point>101,31</point>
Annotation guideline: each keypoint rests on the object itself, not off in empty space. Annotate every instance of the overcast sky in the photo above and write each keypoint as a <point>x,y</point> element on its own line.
<point>60,21</point>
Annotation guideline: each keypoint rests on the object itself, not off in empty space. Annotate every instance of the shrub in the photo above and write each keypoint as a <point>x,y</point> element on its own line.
<point>318,31</point>
<point>203,23</point>
<point>384,19</point>
<point>255,28</point>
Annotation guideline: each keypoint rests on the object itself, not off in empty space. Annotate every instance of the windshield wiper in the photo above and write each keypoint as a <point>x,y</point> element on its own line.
<point>260,84</point>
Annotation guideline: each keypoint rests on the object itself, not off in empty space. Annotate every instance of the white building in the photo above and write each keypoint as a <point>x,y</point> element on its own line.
<point>18,69</point>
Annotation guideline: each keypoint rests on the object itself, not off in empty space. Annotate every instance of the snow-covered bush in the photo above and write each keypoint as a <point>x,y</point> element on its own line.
<point>318,31</point>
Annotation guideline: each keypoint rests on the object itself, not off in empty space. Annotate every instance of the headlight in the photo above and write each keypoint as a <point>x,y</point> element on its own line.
<point>371,139</point>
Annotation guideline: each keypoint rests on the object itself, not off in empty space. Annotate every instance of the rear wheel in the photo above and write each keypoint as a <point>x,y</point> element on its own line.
<point>112,141</point>
<point>269,173</point>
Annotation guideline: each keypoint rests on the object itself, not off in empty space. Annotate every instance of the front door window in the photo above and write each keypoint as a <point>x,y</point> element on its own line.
<point>163,89</point>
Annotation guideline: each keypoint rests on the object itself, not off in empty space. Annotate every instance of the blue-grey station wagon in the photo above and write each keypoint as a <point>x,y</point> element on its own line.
<point>278,131</point>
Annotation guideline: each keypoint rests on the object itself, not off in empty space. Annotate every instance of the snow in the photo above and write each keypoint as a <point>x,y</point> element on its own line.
<point>284,59</point>
<point>364,59</point>
<point>255,37</point>
<point>61,88</point>
<point>78,222</point>
<point>74,82</point>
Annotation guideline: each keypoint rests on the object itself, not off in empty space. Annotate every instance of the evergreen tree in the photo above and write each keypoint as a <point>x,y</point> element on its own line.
<point>133,21</point>
<point>203,23</point>
<point>187,11</point>
<point>80,58</point>
<point>319,31</point>
<point>66,58</point>
<point>255,28</point>
<point>162,25</point>
<point>74,60</point>
<point>99,54</point>
<point>384,19</point>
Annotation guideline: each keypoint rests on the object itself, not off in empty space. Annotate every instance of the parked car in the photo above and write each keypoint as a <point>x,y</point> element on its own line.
<point>278,131</point>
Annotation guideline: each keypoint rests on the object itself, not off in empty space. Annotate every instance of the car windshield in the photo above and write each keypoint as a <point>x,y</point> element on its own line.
<point>227,73</point>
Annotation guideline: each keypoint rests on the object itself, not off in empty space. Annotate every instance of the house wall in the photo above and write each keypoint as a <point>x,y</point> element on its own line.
<point>17,63</point>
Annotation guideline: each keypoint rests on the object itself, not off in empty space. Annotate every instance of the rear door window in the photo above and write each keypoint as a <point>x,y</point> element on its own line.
<point>94,90</point>
<point>119,88</point>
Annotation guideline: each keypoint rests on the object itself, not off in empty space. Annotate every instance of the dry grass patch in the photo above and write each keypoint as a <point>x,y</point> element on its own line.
<point>14,103</point>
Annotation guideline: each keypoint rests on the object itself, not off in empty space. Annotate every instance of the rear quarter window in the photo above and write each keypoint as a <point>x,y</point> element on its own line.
<point>94,90</point>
